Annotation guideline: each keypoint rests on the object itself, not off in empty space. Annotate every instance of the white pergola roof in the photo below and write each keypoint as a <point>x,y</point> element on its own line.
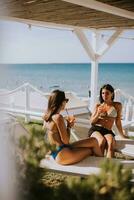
<point>72,13</point>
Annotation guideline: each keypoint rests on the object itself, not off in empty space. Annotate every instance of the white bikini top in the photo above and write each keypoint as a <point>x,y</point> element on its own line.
<point>112,112</point>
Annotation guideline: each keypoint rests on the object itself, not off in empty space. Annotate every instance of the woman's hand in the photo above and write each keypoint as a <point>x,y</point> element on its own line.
<point>124,135</point>
<point>101,111</point>
<point>70,121</point>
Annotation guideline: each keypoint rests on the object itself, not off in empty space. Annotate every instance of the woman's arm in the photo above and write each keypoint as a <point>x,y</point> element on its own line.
<point>63,131</point>
<point>118,120</point>
<point>95,116</point>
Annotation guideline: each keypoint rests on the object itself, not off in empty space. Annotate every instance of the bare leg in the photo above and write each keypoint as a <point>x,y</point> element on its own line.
<point>101,140</point>
<point>110,145</point>
<point>71,156</point>
<point>89,143</point>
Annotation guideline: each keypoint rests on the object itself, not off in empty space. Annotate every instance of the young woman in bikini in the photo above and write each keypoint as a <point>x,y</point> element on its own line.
<point>58,133</point>
<point>106,113</point>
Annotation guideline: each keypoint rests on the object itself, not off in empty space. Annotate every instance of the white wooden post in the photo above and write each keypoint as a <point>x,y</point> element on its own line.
<point>94,80</point>
<point>27,106</point>
<point>94,71</point>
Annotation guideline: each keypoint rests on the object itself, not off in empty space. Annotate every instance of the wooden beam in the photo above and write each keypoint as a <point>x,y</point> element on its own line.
<point>51,25</point>
<point>43,23</point>
<point>85,43</point>
<point>110,42</point>
<point>38,23</point>
<point>103,7</point>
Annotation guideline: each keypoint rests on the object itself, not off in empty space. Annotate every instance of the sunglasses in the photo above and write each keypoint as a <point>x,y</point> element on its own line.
<point>66,100</point>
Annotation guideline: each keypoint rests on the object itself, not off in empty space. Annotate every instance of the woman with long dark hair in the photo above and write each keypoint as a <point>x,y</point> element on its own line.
<point>58,131</point>
<point>106,113</point>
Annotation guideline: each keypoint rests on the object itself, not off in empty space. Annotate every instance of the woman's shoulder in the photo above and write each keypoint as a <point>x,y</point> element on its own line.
<point>117,105</point>
<point>57,117</point>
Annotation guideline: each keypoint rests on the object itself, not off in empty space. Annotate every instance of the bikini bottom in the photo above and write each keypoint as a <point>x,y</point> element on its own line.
<point>103,131</point>
<point>59,148</point>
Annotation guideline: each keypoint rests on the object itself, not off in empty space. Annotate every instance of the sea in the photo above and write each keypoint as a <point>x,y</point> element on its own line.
<point>68,77</point>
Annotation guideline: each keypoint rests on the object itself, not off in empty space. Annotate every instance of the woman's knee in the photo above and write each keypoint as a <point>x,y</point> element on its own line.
<point>63,161</point>
<point>59,161</point>
<point>111,144</point>
<point>99,138</point>
<point>102,143</point>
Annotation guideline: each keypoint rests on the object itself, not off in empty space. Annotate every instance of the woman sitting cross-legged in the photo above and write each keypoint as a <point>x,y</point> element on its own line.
<point>103,118</point>
<point>58,133</point>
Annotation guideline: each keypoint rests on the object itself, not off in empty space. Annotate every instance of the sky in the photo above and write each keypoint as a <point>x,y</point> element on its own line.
<point>21,44</point>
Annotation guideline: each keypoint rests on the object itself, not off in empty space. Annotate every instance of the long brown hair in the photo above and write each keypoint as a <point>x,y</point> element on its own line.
<point>107,87</point>
<point>54,103</point>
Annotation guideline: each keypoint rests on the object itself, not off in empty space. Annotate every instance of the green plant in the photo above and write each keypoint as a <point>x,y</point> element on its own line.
<point>33,149</point>
<point>113,183</point>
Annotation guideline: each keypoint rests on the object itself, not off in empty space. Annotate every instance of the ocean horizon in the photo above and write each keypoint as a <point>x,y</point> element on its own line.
<point>67,76</point>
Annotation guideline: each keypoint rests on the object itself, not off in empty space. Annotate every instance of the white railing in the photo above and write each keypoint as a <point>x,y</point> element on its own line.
<point>127,102</point>
<point>28,101</point>
<point>19,101</point>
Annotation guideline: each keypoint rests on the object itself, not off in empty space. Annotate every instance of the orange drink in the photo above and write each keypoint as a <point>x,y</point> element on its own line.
<point>71,118</point>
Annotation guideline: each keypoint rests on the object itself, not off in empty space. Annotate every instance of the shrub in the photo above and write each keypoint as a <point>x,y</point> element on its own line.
<point>113,183</point>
